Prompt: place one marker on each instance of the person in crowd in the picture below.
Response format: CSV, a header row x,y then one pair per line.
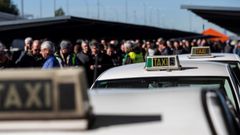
x,y
77,47
104,43
5,61
35,53
162,48
99,61
24,60
150,49
203,42
236,49
84,55
177,49
84,58
47,52
217,47
186,47
112,53
65,57
228,48
28,42
102,49
133,53
193,43
127,47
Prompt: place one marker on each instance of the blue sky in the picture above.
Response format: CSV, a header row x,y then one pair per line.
x,y
158,13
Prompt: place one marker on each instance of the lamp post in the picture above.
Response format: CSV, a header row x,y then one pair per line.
x,y
54,7
144,13
150,16
126,11
22,8
98,9
40,4
87,8
67,6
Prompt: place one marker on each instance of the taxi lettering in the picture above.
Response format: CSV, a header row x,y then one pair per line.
x,y
201,51
25,96
160,62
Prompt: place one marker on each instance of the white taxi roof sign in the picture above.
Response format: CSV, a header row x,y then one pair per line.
x,y
200,51
162,62
35,94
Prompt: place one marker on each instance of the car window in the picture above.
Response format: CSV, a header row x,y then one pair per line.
x,y
235,68
229,92
208,82
205,82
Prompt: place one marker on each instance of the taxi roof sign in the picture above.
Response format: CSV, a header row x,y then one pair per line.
x,y
162,62
200,51
35,94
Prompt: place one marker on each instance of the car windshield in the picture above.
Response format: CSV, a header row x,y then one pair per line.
x,y
156,82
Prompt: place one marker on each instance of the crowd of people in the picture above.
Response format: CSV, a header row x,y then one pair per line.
x,y
98,56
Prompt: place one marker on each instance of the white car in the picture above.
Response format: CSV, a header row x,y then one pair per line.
x,y
193,74
45,102
170,111
232,59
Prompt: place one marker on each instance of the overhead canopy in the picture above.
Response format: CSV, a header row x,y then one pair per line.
x,y
218,35
68,27
8,17
226,17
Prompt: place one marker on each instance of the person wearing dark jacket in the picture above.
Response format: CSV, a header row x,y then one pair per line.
x,y
84,58
25,60
5,61
35,53
99,62
65,57
162,48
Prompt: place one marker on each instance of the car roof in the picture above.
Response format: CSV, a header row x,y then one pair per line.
x,y
123,98
189,69
178,114
216,57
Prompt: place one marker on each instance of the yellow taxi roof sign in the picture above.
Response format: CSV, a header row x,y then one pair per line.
x,y
35,94
162,62
200,51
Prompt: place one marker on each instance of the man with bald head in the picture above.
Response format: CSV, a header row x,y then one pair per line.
x,y
35,53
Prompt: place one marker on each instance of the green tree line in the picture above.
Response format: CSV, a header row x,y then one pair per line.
x,y
8,7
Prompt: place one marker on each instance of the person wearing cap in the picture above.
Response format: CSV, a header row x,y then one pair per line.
x,y
47,52
65,56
